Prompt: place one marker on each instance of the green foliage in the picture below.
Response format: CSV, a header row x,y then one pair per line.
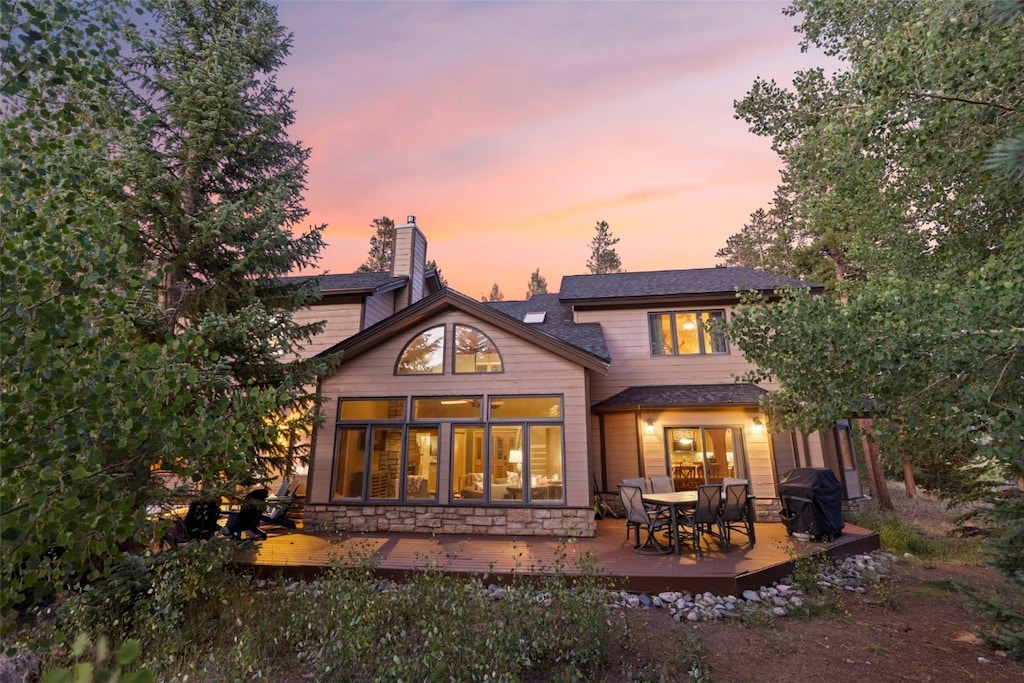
x,y
107,371
421,630
603,257
102,667
887,175
166,602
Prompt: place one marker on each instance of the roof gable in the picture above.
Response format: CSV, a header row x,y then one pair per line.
x,y
448,299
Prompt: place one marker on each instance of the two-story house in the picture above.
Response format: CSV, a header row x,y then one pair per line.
x,y
450,415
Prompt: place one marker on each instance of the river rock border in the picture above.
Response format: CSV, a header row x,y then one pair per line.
x,y
852,574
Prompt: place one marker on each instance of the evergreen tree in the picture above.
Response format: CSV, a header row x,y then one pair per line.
x,y
215,201
495,294
538,284
603,257
432,265
382,247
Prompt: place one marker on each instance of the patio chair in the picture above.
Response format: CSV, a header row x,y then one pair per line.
x,y
662,485
705,520
735,514
248,516
639,515
200,523
640,482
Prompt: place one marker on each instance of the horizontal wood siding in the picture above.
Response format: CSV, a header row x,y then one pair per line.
x,y
528,369
342,321
629,344
621,429
620,447
378,307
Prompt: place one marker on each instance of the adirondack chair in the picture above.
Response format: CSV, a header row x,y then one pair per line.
x,y
248,516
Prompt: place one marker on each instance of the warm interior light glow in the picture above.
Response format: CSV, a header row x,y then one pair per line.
x,y
758,427
515,456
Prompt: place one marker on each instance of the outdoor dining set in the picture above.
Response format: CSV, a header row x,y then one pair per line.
x,y
705,514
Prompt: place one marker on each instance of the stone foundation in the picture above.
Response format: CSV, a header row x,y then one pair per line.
x,y
462,519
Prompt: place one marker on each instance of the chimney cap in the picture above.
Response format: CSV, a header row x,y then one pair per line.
x,y
410,220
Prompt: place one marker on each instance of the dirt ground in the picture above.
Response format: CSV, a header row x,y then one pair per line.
x,y
913,626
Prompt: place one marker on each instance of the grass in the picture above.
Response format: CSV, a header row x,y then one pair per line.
x,y
920,526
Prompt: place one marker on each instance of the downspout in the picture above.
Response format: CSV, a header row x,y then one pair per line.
x,y
604,453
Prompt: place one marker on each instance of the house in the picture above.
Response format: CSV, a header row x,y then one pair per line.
x,y
449,415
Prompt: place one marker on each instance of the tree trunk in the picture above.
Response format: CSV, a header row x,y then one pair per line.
x,y
873,465
908,478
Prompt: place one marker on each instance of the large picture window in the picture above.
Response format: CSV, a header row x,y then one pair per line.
x,y
683,333
518,456
511,453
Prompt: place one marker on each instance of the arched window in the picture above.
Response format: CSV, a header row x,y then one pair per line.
x,y
474,351
424,355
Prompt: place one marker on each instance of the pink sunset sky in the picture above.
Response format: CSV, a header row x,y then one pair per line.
x,y
509,129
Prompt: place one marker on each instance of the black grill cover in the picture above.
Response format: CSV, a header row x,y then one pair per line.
x,y
812,502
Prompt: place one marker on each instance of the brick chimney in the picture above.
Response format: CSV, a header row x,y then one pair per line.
x,y
410,260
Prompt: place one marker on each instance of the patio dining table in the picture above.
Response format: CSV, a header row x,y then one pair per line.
x,y
675,501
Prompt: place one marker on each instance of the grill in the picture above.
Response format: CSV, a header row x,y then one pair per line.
x,y
812,503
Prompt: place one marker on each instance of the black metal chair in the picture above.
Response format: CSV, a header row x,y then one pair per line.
x,y
735,513
639,515
705,520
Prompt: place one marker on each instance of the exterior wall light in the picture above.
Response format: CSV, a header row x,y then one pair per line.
x,y
649,427
758,427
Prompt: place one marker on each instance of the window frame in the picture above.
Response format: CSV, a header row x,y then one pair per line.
x,y
455,352
442,354
656,343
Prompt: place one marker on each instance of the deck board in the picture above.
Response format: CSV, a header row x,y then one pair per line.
x,y
304,554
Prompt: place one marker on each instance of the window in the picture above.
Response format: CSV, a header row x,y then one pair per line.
x,y
518,456
681,333
511,453
474,351
424,355
704,455
379,457
451,408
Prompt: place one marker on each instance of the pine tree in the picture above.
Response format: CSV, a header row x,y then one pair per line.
x,y
538,284
603,257
382,247
495,294
214,198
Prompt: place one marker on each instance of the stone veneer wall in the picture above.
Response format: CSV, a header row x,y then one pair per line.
x,y
463,519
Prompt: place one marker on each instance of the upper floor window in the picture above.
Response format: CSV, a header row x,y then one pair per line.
x,y
474,351
679,333
424,355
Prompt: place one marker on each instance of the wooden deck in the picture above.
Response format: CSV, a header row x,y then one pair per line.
x,y
296,553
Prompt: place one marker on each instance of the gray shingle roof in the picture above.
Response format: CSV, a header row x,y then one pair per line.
x,y
683,395
351,282
673,283
557,323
